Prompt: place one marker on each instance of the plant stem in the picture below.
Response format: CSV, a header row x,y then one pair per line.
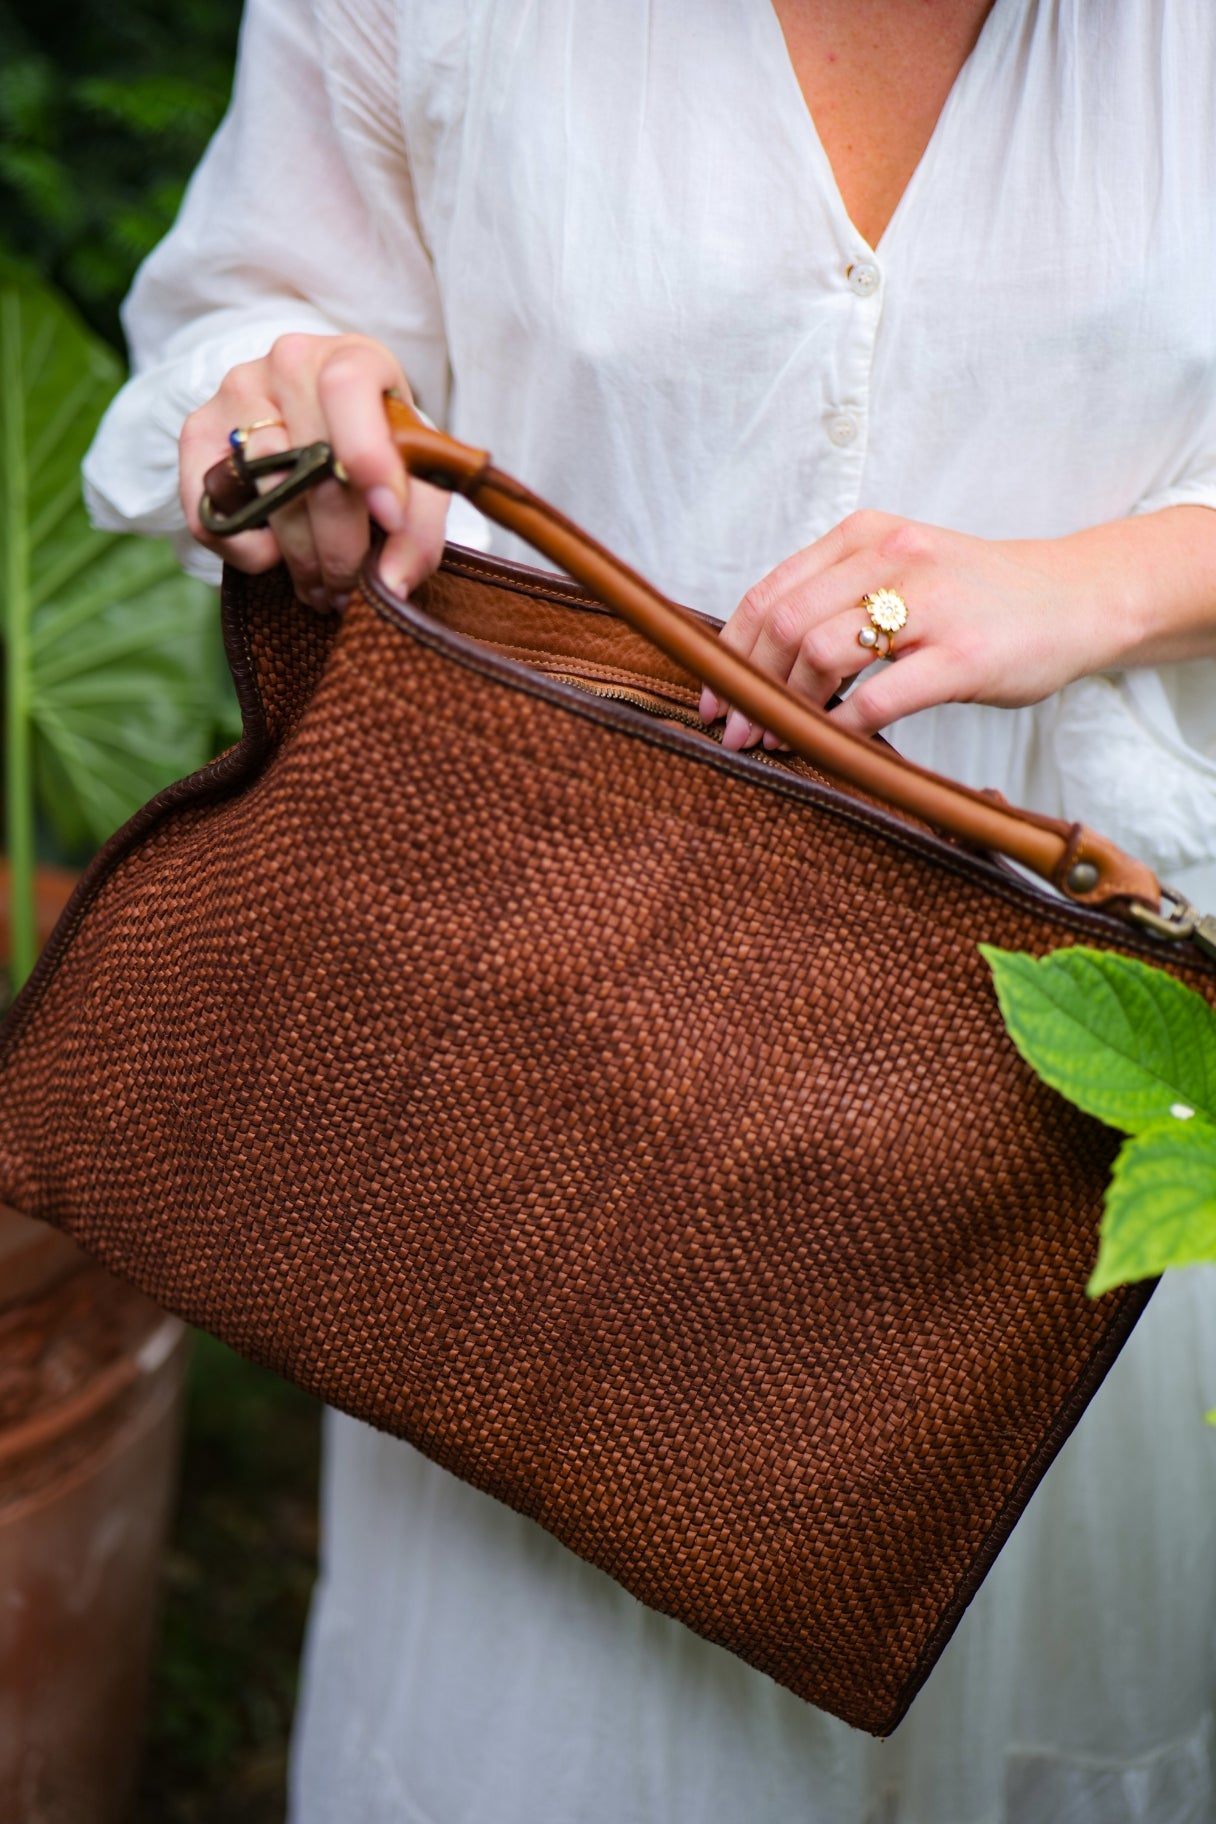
x,y
14,509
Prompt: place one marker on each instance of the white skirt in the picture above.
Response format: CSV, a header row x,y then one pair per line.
x,y
462,1667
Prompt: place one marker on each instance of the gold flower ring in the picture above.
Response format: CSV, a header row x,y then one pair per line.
x,y
888,612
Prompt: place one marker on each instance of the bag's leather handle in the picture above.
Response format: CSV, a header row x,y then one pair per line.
x,y
1082,865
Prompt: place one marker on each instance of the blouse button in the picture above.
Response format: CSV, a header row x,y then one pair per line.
x,y
842,429
863,278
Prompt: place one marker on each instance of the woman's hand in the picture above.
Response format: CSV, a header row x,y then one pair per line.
x,y
327,388
988,622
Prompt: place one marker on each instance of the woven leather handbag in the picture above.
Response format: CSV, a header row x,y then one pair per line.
x,y
627,1123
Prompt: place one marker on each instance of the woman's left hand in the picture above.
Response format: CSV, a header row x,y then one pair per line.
x,y
988,622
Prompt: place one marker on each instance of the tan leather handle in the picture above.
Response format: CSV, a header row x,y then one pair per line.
x,y
1082,865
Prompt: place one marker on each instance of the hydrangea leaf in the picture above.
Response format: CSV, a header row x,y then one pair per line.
x,y
1121,1040
1161,1205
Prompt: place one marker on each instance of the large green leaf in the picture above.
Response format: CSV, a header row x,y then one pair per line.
x,y
1123,1041
123,699
1161,1204
112,685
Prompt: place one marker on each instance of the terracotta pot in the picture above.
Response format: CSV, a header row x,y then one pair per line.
x,y
52,890
90,1386
90,1416
31,1256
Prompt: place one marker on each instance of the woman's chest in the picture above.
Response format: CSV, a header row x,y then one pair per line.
x,y
876,76
643,185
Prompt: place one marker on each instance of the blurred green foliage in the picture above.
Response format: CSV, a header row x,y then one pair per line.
x,y
113,677
104,112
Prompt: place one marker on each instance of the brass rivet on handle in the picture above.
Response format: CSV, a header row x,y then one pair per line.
x,y
1084,877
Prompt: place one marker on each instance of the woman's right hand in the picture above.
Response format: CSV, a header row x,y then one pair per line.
x,y
331,389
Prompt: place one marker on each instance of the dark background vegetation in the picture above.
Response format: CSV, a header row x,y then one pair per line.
x,y
238,1576
104,112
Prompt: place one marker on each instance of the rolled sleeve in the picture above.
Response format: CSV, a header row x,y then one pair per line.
x,y
300,217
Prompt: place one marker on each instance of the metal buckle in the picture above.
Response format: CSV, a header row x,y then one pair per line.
x,y
1174,925
1179,923
306,467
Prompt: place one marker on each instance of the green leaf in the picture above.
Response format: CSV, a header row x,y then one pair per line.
x,y
1121,1040
112,688
1161,1205
27,98
153,104
43,182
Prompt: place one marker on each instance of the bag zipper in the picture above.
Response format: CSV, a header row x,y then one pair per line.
x,y
652,705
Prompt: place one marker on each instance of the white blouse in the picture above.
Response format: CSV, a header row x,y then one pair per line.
x,y
606,242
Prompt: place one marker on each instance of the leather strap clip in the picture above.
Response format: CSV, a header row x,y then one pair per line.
x,y
231,502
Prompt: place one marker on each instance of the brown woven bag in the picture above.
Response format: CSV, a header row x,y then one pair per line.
x,y
628,1124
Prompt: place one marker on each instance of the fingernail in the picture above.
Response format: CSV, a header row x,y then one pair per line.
x,y
771,742
386,509
319,600
738,731
340,602
711,709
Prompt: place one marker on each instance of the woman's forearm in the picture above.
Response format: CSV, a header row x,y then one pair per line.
x,y
1152,580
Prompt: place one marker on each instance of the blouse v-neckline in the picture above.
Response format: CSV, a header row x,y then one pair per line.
x,y
793,97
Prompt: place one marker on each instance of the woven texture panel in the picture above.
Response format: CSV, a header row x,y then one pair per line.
x,y
628,1125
